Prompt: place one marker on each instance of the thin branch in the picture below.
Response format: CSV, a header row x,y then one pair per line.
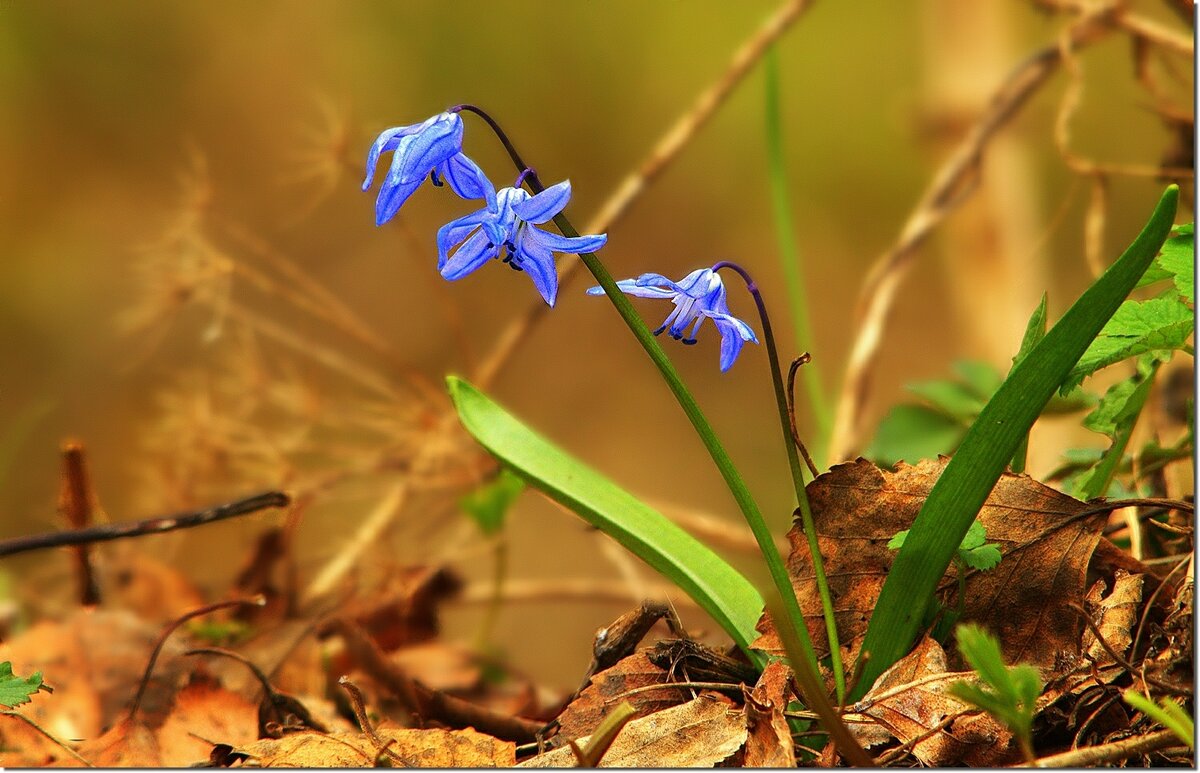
x,y
1110,752
43,731
669,146
159,525
951,186
75,501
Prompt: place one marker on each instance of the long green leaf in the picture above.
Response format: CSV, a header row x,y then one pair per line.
x,y
964,486
716,586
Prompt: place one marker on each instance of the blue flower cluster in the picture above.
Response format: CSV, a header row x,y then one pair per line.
x,y
506,228
507,223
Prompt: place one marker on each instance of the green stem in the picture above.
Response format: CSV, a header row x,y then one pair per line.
x,y
780,595
789,252
804,508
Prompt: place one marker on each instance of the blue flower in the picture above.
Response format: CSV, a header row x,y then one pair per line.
x,y
698,296
510,226
430,149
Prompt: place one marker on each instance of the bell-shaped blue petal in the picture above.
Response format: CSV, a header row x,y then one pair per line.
x,y
572,244
535,259
545,205
698,296
435,141
473,253
391,197
455,231
418,151
467,179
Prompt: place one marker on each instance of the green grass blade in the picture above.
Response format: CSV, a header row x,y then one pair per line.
x,y
789,254
716,586
991,442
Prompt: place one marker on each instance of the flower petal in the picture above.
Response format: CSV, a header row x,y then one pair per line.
x,y
538,262
545,205
386,141
571,244
392,196
699,283
473,253
734,333
631,287
467,179
438,139
455,231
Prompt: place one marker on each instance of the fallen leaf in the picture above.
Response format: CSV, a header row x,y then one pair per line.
x,y
419,748
95,660
698,734
608,688
769,744
1043,535
205,714
128,744
439,666
910,700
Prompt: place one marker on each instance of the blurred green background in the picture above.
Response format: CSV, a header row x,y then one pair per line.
x,y
108,108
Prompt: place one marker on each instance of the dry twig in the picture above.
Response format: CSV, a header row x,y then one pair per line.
x,y
951,185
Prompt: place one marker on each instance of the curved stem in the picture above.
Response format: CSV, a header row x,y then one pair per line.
x,y
805,510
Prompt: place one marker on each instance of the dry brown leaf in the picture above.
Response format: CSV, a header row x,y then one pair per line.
x,y
94,660
769,744
205,714
608,688
419,748
698,734
1045,541
910,701
439,666
128,744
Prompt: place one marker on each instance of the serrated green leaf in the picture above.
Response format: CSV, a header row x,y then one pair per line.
x,y
912,433
489,504
983,558
1136,328
1116,417
897,540
715,585
1178,259
976,536
15,690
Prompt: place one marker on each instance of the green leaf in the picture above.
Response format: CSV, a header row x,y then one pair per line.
x,y
1167,713
1136,328
1116,416
1035,331
488,504
1007,693
897,540
983,558
1178,259
989,445
15,690
976,535
952,398
981,377
912,433
716,586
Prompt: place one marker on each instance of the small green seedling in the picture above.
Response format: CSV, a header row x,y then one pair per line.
x,y
15,690
974,552
488,505
1167,713
1007,693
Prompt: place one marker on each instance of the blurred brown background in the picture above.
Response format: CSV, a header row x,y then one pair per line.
x,y
116,116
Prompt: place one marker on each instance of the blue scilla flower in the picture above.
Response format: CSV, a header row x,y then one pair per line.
x,y
511,227
698,296
431,149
